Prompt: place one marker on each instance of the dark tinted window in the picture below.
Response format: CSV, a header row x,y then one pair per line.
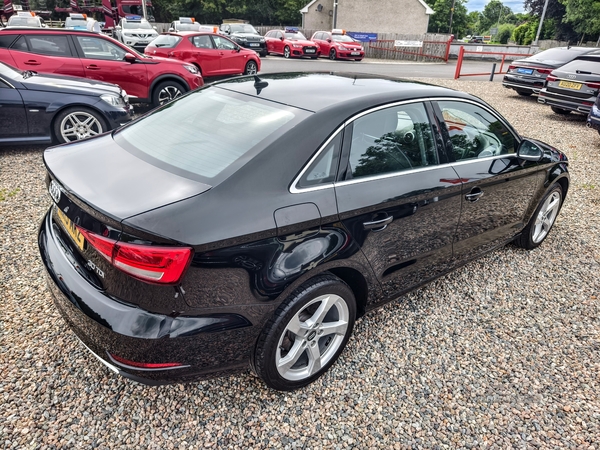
x,y
582,65
223,44
166,41
474,132
324,168
7,39
555,56
391,140
20,44
55,45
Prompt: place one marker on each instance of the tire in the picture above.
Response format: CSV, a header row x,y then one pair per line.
x,y
542,220
312,309
286,52
251,68
562,112
263,54
524,93
166,92
313,57
76,123
332,54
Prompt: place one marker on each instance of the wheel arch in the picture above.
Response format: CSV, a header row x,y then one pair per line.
x,y
167,77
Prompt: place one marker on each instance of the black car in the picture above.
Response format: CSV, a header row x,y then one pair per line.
x,y
574,87
254,220
41,108
245,35
593,118
527,76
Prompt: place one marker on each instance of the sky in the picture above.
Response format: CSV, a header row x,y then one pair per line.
x,y
478,5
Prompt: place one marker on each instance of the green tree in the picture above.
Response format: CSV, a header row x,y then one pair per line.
x,y
505,32
584,15
493,14
555,12
440,21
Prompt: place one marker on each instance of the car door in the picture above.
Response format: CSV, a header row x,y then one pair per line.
x,y
104,61
270,41
49,53
206,55
324,44
497,187
395,198
13,118
230,58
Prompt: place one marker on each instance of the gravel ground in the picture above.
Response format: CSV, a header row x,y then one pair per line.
x,y
503,353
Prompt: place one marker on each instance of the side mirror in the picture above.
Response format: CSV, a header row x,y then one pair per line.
x,y
130,58
529,151
170,29
281,38
329,40
155,28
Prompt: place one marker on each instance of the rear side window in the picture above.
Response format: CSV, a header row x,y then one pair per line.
x,y
324,168
207,132
7,39
55,45
202,41
166,41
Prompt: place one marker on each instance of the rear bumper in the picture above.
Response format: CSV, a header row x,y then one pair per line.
x,y
206,345
531,85
565,102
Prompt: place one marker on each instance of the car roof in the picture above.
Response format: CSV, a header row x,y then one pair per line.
x,y
190,33
317,91
49,30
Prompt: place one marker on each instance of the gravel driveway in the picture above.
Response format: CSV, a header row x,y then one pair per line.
x,y
503,353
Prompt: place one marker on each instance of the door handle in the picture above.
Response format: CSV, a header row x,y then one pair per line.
x,y
32,62
474,195
378,225
93,67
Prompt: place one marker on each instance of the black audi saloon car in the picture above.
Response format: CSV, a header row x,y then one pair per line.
x,y
527,76
42,108
251,222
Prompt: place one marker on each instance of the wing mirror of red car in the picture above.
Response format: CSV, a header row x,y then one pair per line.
x,y
130,58
281,38
238,49
329,40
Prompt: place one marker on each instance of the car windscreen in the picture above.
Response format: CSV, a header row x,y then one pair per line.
x,y
16,21
10,72
188,27
295,36
554,56
342,38
208,134
243,28
70,22
166,41
136,25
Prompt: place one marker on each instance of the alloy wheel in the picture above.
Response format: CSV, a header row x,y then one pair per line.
x,y
312,337
332,54
546,217
251,68
79,125
286,52
168,93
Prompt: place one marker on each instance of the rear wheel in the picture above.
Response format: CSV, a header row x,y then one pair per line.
x,y
332,54
286,52
307,333
251,68
524,93
166,92
544,217
74,124
263,54
562,112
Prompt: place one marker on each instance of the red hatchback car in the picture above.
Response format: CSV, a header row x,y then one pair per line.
x,y
291,43
211,53
338,45
99,57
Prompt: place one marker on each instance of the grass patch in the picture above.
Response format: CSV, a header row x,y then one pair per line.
x,y
6,194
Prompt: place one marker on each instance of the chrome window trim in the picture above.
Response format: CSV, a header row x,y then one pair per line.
x,y
7,82
294,189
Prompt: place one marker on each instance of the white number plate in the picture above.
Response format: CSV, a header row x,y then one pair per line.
x,y
310,50
355,53
254,45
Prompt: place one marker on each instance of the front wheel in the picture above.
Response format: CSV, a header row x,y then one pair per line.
x,y
286,52
332,54
562,112
544,217
307,333
74,124
251,68
166,92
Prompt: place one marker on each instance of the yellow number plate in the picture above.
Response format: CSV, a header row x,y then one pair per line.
x,y
71,229
569,85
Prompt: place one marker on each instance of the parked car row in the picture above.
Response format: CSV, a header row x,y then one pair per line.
x,y
565,78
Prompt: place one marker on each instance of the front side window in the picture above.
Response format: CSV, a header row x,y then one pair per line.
x,y
55,45
202,41
391,140
7,39
223,44
98,48
474,132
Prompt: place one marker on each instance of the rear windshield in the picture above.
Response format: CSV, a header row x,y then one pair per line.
x,y
136,25
555,56
16,21
166,41
243,28
585,67
207,134
342,38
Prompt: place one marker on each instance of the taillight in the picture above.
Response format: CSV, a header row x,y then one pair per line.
x,y
161,265
142,365
551,78
545,71
593,85
512,67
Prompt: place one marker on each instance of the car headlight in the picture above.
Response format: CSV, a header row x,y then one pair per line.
x,y
191,68
297,45
241,39
127,34
595,110
344,49
113,100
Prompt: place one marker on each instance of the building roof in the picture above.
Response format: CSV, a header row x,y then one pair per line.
x,y
305,9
